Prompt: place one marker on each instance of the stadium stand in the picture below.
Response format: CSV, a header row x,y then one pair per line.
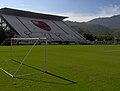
x,y
27,24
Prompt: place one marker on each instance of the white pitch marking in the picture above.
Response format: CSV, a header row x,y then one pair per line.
x,y
6,72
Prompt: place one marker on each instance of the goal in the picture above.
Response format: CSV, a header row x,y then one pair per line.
x,y
33,42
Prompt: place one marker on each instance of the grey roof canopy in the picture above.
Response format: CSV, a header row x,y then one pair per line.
x,y
29,14
36,25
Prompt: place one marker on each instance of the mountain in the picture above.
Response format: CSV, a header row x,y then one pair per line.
x,y
110,22
97,25
106,24
93,28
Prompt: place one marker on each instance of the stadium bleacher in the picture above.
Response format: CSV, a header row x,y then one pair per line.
x,y
29,24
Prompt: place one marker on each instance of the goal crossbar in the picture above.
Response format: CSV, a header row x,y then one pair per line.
x,y
29,38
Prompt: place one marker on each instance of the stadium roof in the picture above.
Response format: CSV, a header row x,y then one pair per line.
x,y
15,12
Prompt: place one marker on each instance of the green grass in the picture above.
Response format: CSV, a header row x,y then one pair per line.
x,y
93,67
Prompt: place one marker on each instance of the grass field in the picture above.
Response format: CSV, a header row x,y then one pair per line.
x,y
92,67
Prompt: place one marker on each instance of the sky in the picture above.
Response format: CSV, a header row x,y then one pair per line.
x,y
76,10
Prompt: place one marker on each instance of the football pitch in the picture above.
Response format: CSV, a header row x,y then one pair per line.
x,y
90,67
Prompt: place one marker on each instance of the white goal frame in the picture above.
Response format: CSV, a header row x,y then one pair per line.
x,y
21,63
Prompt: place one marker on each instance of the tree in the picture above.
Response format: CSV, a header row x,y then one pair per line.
x,y
88,35
117,35
104,36
2,35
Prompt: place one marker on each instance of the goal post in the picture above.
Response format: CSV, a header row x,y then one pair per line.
x,y
26,55
14,72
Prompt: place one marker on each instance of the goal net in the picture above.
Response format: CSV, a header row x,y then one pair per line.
x,y
24,56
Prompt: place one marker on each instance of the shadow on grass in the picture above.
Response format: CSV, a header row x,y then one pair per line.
x,y
71,82
34,80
